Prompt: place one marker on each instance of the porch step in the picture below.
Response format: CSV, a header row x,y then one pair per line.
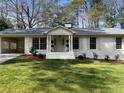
x,y
60,55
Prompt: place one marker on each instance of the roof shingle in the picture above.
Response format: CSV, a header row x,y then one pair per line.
x,y
78,31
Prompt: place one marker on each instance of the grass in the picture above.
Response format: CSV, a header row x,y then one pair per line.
x,y
61,76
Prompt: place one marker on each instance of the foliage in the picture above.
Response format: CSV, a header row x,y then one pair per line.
x,y
107,57
75,4
96,11
5,23
33,51
41,56
110,21
95,55
117,57
73,8
121,18
80,57
54,14
50,13
84,56
70,12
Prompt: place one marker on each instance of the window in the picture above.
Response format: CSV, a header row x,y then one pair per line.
x,y
39,43
75,43
42,43
118,43
93,43
36,43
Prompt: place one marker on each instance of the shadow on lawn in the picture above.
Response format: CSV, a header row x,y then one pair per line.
x,y
59,75
56,76
17,60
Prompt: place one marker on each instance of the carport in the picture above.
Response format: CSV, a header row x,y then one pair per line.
x,y
12,45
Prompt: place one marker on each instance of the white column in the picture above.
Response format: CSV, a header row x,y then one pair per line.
x,y
69,43
28,44
50,44
0,45
47,43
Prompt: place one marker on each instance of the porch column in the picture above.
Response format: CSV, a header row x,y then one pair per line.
x,y
0,45
47,43
71,43
50,44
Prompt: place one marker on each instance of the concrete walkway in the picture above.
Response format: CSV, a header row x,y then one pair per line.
x,y
6,57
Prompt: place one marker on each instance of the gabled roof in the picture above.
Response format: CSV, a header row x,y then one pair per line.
x,y
70,30
77,31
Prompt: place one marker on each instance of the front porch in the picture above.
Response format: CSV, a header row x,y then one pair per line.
x,y
60,44
60,47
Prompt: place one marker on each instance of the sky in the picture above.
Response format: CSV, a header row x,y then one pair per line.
x,y
63,1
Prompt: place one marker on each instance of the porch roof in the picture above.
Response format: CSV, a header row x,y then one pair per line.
x,y
77,31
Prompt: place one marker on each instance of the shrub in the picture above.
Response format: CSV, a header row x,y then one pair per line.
x,y
117,57
80,57
84,56
95,56
41,56
33,51
5,23
107,57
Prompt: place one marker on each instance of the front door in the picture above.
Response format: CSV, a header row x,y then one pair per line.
x,y
60,44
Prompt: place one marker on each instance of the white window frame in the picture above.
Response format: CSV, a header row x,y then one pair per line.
x,y
39,42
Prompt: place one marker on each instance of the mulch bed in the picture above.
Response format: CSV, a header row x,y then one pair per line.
x,y
116,62
31,57
105,61
28,57
112,61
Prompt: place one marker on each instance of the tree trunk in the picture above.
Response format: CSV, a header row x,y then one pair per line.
x,y
122,23
17,14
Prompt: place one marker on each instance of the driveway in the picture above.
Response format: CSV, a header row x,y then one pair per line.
x,y
6,57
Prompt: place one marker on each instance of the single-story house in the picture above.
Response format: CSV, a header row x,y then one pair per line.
x,y
64,43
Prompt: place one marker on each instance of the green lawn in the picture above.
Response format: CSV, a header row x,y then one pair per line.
x,y
61,76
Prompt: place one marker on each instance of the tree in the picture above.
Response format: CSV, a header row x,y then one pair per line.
x,y
30,13
5,23
45,12
25,12
110,21
111,14
13,6
121,15
74,8
52,13
98,10
3,8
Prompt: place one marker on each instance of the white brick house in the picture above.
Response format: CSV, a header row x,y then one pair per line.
x,y
64,43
